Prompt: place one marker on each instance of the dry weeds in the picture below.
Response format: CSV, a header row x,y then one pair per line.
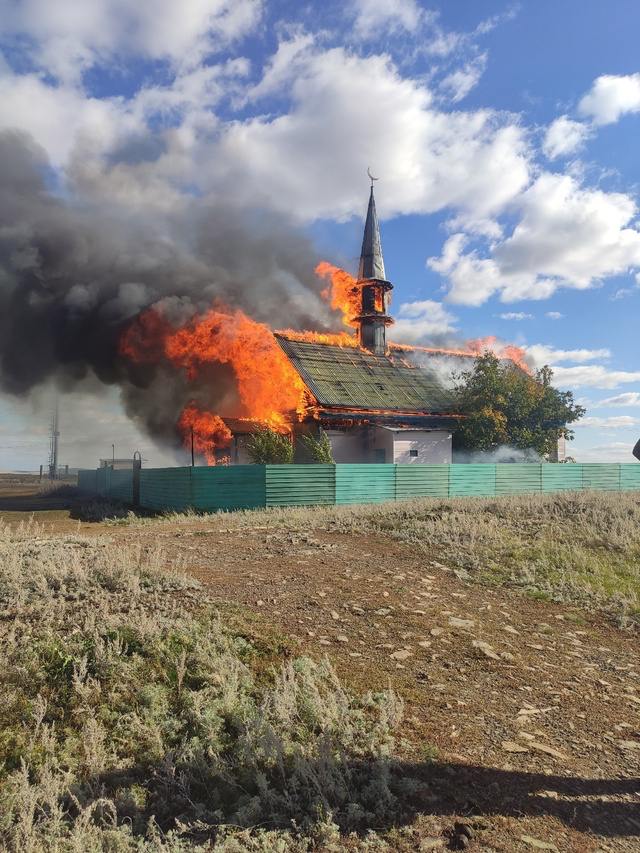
x,y
132,719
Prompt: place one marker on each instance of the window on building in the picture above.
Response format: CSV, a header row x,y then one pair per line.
x,y
379,455
413,453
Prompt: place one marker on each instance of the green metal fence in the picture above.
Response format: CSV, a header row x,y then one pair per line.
x,y
253,486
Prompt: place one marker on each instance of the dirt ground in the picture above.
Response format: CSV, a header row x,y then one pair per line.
x,y
522,715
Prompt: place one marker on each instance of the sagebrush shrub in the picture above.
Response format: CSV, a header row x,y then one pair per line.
x,y
132,719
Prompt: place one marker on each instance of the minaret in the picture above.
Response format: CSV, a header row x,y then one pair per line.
x,y
373,319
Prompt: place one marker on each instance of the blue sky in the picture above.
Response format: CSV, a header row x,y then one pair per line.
x,y
505,137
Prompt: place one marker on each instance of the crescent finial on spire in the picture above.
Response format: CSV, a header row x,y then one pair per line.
x,y
371,177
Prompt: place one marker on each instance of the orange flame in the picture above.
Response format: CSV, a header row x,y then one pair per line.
x,y
474,348
270,391
337,339
209,432
343,292
501,350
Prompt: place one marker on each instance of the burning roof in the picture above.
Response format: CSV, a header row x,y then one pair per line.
x,y
353,378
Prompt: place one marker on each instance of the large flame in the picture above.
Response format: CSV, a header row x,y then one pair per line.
x,y
343,292
269,390
335,339
209,432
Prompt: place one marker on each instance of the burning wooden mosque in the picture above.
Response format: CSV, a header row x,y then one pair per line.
x,y
376,401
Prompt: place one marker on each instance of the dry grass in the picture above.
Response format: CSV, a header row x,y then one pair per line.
x,y
132,719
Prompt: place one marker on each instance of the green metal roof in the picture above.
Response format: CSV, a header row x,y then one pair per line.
x,y
348,377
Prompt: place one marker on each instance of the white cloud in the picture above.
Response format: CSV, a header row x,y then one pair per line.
x,y
63,119
564,136
629,398
68,37
279,72
543,354
615,451
592,376
615,422
515,315
473,161
459,83
610,97
378,17
420,321
58,117
621,293
554,315
567,236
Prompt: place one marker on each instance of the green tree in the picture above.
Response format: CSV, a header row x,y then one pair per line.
x,y
268,447
504,405
319,449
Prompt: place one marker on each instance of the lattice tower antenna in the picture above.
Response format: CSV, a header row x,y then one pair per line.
x,y
54,435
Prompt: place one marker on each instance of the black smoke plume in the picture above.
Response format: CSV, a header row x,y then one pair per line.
x,y
73,275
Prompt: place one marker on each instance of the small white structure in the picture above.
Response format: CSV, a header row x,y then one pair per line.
x,y
421,446
390,444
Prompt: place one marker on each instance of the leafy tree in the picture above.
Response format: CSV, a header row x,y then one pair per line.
x,y
319,449
268,447
505,405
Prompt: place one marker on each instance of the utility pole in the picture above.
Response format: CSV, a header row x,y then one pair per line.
x,y
113,455
54,435
192,454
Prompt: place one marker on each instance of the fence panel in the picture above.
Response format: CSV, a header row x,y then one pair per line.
x,y
88,481
630,475
121,486
103,481
365,484
225,488
300,485
413,481
601,476
561,478
252,486
166,488
472,480
518,478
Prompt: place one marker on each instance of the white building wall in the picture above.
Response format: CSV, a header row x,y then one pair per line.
x,y
347,446
429,446
383,444
382,449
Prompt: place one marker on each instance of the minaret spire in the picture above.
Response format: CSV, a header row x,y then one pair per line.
x,y
373,319
371,260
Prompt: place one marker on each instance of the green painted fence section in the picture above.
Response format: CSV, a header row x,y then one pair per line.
x,y
226,488
561,478
121,486
519,477
629,476
425,481
365,484
290,485
253,486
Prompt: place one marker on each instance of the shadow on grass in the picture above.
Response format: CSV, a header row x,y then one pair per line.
x,y
379,795
39,498
81,506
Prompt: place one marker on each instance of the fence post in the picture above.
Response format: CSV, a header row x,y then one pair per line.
x,y
135,484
